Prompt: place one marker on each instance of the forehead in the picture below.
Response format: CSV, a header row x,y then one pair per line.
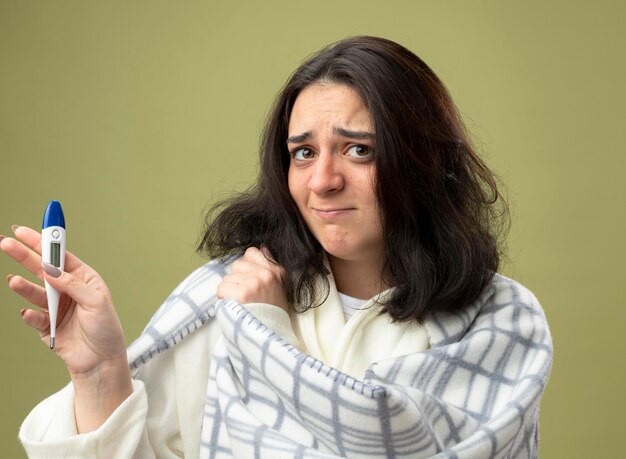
x,y
329,105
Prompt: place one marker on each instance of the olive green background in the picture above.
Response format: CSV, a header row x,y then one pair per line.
x,y
137,114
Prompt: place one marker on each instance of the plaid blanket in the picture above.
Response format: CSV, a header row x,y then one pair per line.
x,y
473,394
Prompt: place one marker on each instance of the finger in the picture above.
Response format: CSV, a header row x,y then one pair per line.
x,y
228,288
39,320
23,255
273,264
28,236
252,259
241,290
269,257
83,294
254,255
32,239
32,293
237,279
243,266
260,257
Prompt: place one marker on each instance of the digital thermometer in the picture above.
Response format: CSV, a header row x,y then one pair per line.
x,y
53,252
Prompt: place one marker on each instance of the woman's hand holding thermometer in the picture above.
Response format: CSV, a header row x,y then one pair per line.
x,y
88,333
53,243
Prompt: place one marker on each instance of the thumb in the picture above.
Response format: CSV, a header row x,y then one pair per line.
x,y
70,285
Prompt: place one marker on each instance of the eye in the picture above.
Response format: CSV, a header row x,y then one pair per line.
x,y
360,151
302,154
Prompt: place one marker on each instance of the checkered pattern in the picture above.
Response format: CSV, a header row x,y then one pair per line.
x,y
474,394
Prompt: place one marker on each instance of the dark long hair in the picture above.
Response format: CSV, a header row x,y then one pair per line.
x,y
441,211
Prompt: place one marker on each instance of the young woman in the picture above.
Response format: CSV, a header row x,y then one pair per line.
x,y
351,308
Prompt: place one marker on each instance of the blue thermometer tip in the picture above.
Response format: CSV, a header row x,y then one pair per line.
x,y
53,216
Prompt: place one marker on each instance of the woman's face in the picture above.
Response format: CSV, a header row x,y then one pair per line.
x,y
332,171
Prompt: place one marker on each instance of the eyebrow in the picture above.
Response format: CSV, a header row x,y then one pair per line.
x,y
353,134
358,135
300,137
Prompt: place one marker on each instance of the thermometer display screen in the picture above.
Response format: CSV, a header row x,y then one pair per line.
x,y
55,254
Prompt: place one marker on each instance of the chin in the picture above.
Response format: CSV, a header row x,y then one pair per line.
x,y
343,253
340,244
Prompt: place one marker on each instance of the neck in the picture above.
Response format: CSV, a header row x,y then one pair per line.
x,y
359,279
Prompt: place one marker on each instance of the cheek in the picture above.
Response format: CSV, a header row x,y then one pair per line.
x,y
296,186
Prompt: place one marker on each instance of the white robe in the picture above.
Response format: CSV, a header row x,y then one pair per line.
x,y
463,385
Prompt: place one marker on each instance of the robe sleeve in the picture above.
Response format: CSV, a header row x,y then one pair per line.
x,y
50,428
161,418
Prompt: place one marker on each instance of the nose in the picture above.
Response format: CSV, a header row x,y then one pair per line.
x,y
326,175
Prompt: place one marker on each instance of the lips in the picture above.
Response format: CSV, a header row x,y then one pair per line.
x,y
332,213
